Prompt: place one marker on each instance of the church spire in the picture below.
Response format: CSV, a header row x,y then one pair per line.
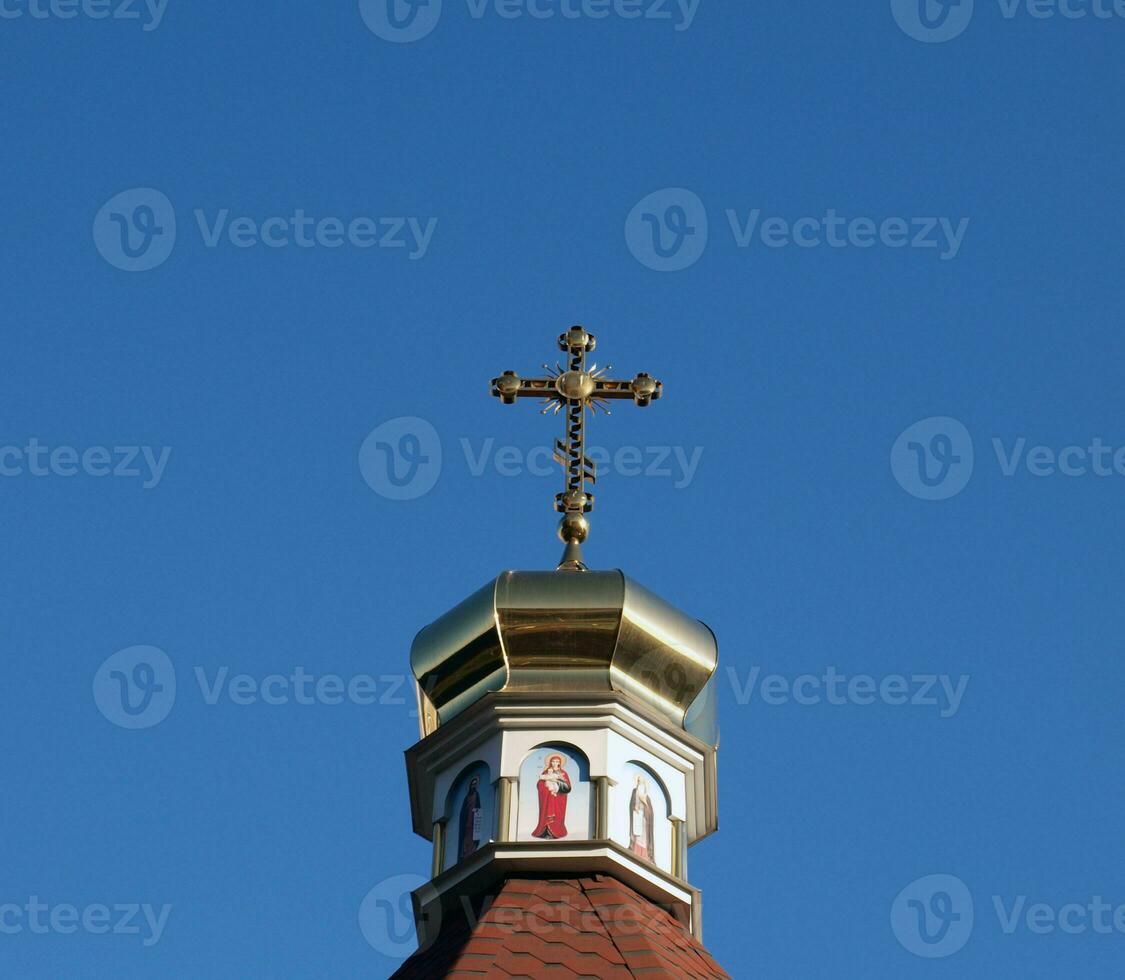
x,y
568,751
578,391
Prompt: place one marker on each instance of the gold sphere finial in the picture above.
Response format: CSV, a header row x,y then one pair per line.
x,y
645,389
574,527
577,339
508,386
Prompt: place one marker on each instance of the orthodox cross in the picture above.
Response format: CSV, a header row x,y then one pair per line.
x,y
577,390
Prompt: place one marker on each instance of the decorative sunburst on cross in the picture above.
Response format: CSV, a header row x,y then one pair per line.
x,y
578,391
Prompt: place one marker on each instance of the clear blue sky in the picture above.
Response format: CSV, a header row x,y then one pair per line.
x,y
259,546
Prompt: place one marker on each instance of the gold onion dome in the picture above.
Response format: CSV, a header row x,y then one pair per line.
x,y
590,632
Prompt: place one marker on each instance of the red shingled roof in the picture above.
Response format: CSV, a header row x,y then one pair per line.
x,y
592,928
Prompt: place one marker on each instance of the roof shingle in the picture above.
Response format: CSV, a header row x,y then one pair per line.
x,y
564,929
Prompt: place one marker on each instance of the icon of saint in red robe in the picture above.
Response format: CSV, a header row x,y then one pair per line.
x,y
640,821
554,785
470,825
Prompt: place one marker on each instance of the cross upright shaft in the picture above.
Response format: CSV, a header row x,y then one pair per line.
x,y
576,390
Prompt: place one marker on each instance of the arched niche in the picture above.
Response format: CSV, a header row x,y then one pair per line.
x,y
555,798
469,809
640,815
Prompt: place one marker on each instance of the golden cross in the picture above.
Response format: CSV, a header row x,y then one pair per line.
x,y
577,390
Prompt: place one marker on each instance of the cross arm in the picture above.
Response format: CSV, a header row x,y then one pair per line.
x,y
643,389
510,386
